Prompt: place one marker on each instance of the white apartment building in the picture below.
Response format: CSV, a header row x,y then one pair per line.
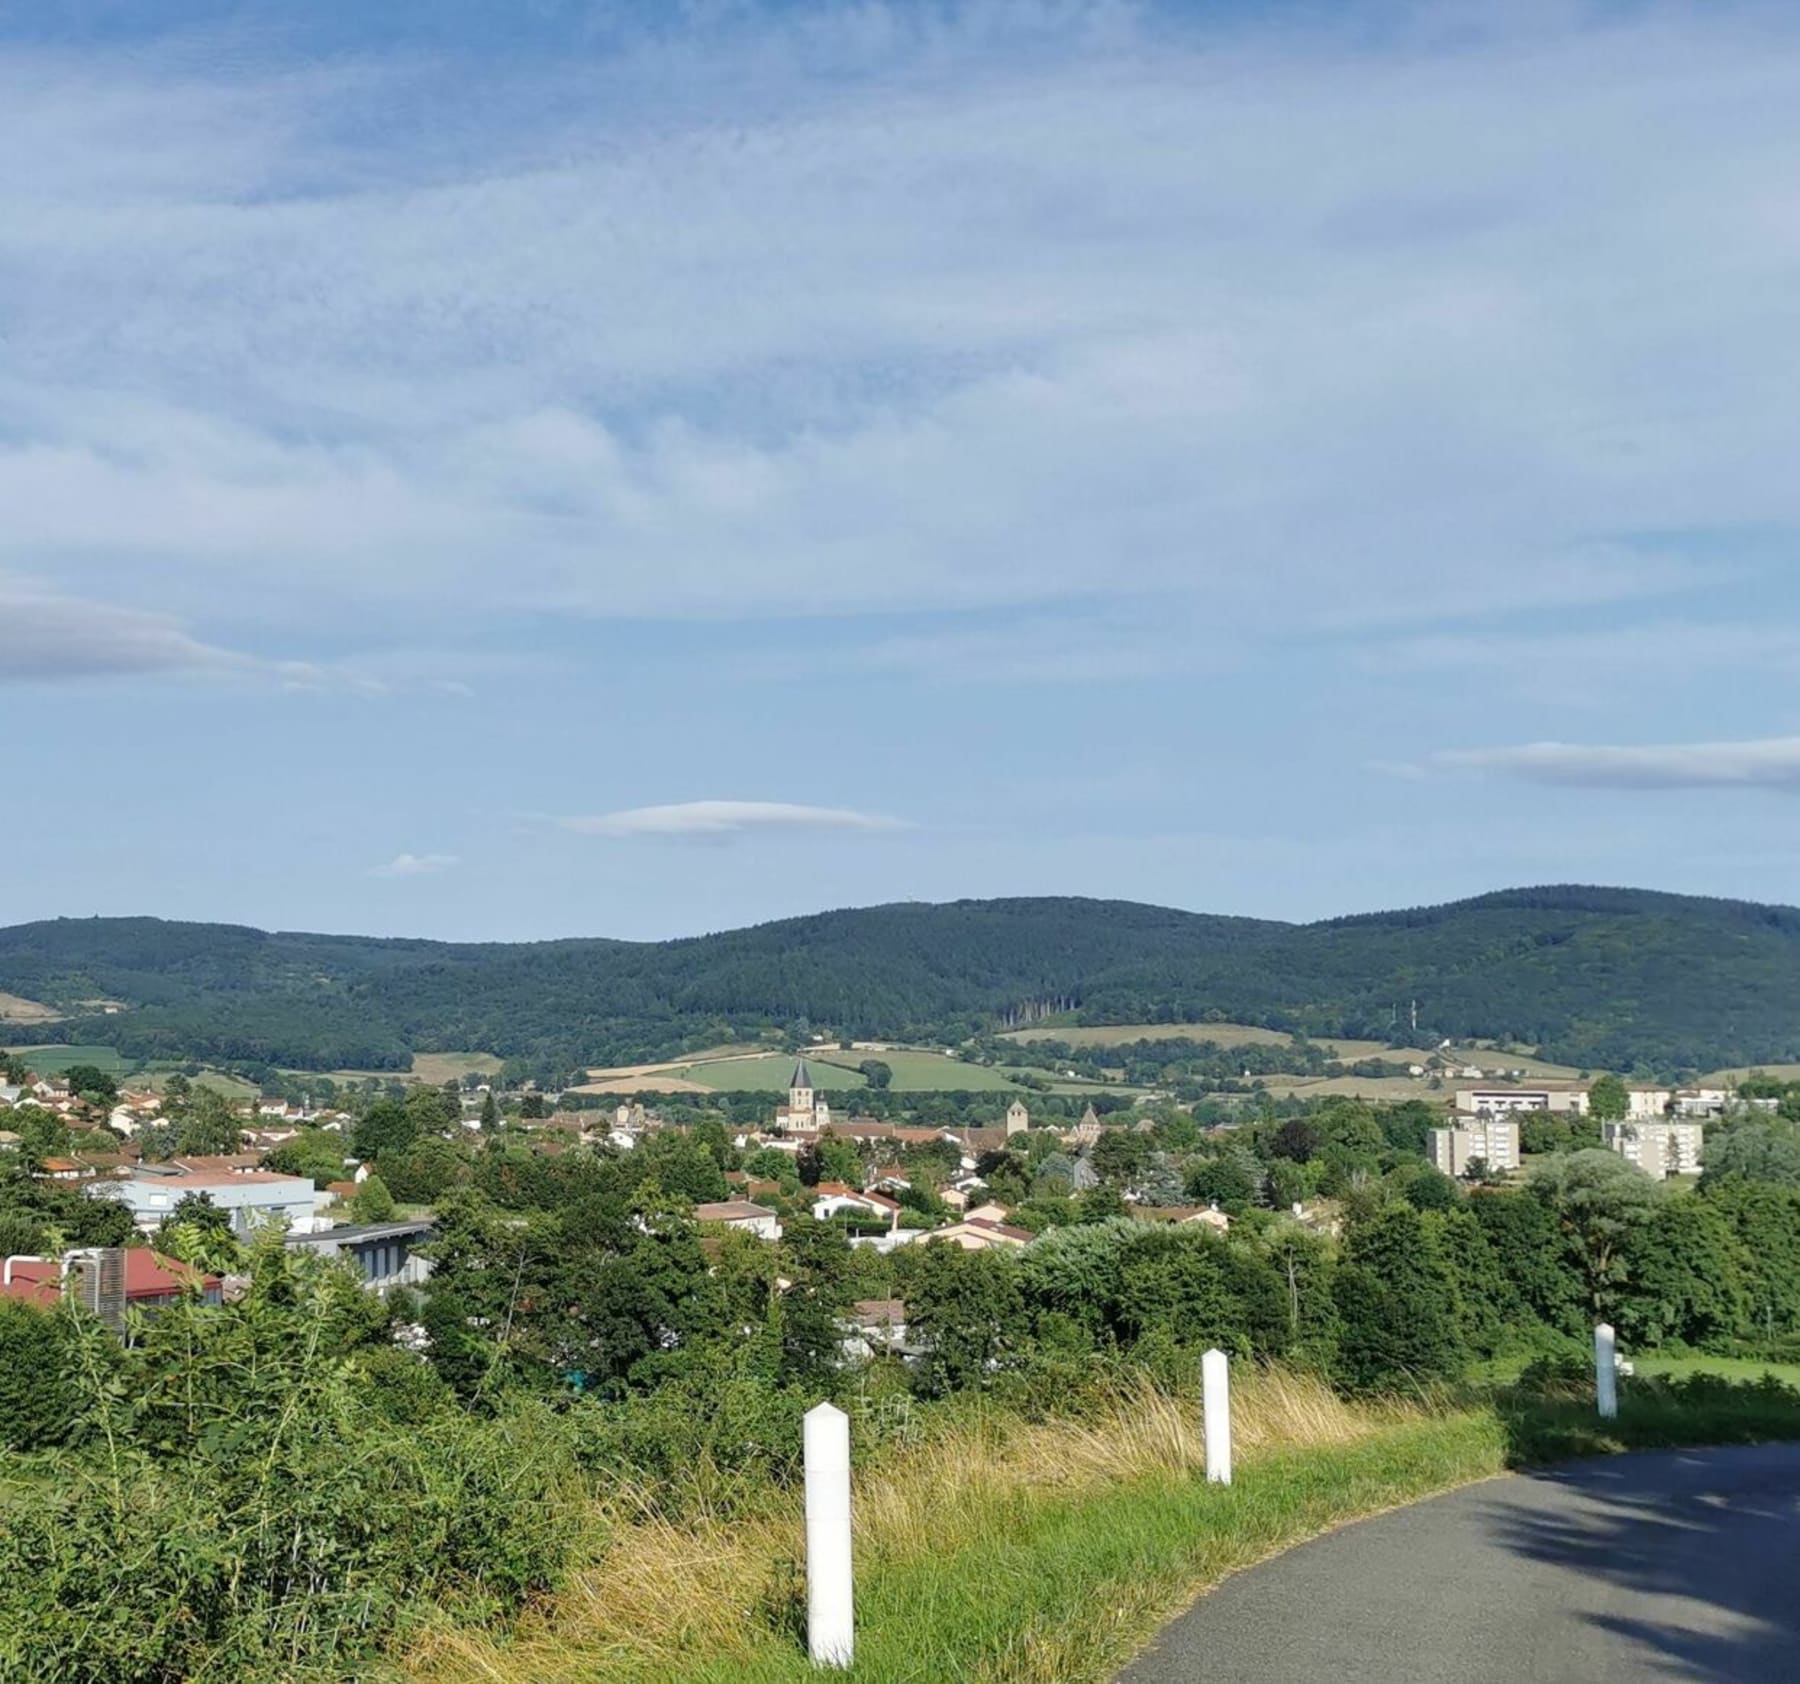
x,y
1495,1140
1501,1102
1659,1149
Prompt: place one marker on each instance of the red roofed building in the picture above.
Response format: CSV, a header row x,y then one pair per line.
x,y
151,1280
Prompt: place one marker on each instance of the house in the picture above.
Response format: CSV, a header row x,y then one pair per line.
x,y
981,1236
150,1280
63,1169
1494,1140
742,1215
954,1197
1701,1102
1203,1216
989,1212
977,1143
1659,1149
250,1197
1648,1104
806,1111
383,1254
833,1198
877,1327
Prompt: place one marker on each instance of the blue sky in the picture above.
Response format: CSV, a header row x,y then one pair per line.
x,y
517,470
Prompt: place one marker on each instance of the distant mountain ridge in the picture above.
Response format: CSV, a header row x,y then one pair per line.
x,y
1594,976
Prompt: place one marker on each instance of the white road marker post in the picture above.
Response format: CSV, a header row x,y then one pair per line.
x,y
830,1598
1215,1414
1606,1371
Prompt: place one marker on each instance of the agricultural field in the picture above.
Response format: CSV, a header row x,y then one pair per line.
x,y
1731,1078
1123,1034
1385,1088
916,1070
53,1060
15,1008
233,1087
440,1067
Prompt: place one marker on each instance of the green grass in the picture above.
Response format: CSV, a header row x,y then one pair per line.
x,y
53,1060
1041,1588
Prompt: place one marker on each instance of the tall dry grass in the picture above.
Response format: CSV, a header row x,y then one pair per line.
x,y
661,1594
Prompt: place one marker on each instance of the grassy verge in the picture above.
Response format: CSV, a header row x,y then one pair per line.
x,y
1048,1553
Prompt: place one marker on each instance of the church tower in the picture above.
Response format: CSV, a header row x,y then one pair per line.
x,y
1018,1119
800,1091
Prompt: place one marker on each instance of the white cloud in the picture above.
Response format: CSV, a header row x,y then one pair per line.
x,y
1768,763
46,638
965,327
716,819
416,865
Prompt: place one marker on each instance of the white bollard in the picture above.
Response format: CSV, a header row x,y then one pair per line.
x,y
830,1599
1606,1372
1215,1415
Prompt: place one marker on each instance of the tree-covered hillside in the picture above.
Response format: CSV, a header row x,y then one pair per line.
x,y
1611,977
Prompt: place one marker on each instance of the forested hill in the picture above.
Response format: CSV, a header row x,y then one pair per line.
x,y
1598,977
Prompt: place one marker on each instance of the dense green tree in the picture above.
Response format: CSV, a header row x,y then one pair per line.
x,y
372,1202
200,1233
966,1309
92,1084
315,1153
877,1073
387,1127
1765,1149
1397,1305
1688,1277
1609,1101
210,1124
1597,1199
1536,1255
40,1403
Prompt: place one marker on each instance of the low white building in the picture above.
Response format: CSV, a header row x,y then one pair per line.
x,y
152,1191
1504,1101
1659,1149
1494,1140
1648,1104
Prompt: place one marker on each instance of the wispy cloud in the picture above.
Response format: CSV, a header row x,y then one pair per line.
x,y
47,638
717,819
848,359
1766,763
416,865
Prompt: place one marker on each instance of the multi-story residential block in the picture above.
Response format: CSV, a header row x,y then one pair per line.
x,y
1659,1149
1494,1140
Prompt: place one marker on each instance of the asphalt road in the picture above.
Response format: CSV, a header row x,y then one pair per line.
x,y
1672,1565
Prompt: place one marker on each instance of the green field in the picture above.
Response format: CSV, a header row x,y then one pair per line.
x,y
1123,1034
233,1087
1727,1368
915,1071
53,1060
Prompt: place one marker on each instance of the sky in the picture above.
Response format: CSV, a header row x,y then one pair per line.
x,y
546,468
